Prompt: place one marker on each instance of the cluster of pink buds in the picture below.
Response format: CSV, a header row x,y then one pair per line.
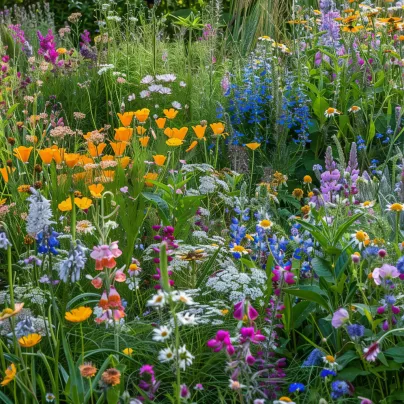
x,y
284,273
221,341
166,235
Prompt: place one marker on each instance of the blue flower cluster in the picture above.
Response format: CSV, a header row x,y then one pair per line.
x,y
338,389
48,241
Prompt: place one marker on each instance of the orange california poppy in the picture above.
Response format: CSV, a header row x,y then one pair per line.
x,y
66,205
123,134
96,190
159,159
170,113
174,142
23,153
4,172
161,122
144,140
253,146
126,118
150,176
192,145
46,155
217,128
71,159
124,161
118,147
352,28
140,130
176,133
95,151
83,160
142,114
199,131
58,154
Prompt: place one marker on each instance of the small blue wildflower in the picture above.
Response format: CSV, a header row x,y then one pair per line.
x,y
314,358
339,388
327,372
4,243
356,330
296,387
390,299
400,265
370,252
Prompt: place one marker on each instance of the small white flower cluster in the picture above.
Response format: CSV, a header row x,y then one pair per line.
x,y
209,184
238,285
105,68
193,168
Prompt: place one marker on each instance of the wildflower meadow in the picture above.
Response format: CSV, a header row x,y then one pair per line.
x,y
202,202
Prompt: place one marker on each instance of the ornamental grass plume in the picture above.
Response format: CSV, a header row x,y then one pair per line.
x,y
39,213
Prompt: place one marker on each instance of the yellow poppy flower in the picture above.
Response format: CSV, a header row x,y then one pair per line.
x,y
71,159
83,203
217,128
150,176
66,205
9,312
128,351
46,155
174,142
124,161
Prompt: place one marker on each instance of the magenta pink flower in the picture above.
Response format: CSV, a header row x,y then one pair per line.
x,y
249,334
105,255
284,273
221,341
242,308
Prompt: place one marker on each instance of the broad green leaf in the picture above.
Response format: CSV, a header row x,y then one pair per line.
x,y
323,268
397,353
309,295
160,204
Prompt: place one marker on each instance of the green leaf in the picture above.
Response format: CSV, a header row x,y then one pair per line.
x,y
309,295
320,105
372,132
323,269
397,353
344,227
347,357
379,79
351,373
160,204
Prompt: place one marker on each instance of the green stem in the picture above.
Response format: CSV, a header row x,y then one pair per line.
x,y
10,277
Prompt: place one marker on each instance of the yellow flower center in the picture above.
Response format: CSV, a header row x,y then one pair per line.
x,y
330,359
238,248
366,203
265,223
361,236
159,299
285,399
6,311
396,207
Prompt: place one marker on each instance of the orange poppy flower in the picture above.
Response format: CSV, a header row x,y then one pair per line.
x,y
389,20
142,114
352,28
23,153
71,159
174,142
46,155
144,140
199,131
107,157
217,128
170,113
96,190
123,134
192,145
126,118
95,151
58,154
176,133
124,161
140,130
161,122
150,176
118,147
168,132
108,175
4,172
159,159
83,160
253,146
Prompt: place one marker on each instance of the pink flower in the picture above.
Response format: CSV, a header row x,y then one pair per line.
x,y
97,283
105,255
221,341
120,276
287,275
385,272
249,334
240,311
370,353
339,318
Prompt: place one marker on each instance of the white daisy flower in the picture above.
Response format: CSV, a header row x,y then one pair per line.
x,y
158,300
182,297
166,355
147,79
185,358
331,112
360,238
235,385
395,207
161,334
367,204
354,109
187,319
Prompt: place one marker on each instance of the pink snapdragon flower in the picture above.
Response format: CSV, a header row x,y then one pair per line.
x,y
242,308
105,255
221,341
